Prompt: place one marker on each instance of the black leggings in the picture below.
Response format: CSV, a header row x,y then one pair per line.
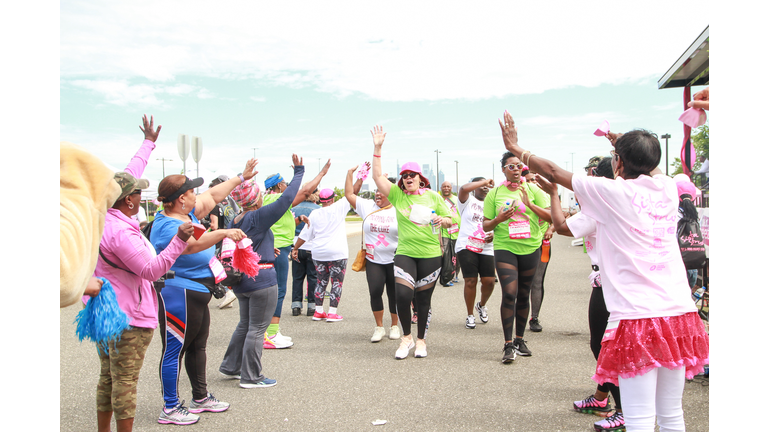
x,y
598,321
379,276
537,287
515,277
415,280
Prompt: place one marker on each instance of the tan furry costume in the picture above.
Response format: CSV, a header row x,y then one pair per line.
x,y
87,190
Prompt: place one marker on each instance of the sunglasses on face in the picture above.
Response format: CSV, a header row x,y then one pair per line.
x,y
518,165
409,175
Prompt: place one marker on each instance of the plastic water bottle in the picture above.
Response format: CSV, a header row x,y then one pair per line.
x,y
434,225
507,206
545,251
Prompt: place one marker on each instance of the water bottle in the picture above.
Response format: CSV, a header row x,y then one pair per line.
x,y
434,225
545,251
507,206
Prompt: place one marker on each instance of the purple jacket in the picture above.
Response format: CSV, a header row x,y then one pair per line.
x,y
125,246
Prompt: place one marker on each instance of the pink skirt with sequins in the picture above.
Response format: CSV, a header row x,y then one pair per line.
x,y
644,344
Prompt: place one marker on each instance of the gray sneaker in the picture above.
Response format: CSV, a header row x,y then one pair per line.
x,y
178,415
509,353
210,404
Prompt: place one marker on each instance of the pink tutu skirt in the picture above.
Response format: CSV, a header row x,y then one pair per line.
x,y
644,344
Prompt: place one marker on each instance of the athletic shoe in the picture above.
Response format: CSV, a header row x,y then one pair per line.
x,y
612,423
521,348
282,336
266,382
275,342
310,312
319,316
209,404
414,318
482,312
470,323
229,297
296,311
378,334
421,349
178,415
534,325
228,376
394,332
590,405
449,284
405,347
333,317
509,353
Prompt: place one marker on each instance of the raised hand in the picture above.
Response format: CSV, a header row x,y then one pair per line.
x,y
612,137
700,100
326,167
508,131
297,161
546,185
149,132
378,135
250,170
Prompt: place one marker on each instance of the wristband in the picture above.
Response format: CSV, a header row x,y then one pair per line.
x,y
376,156
242,179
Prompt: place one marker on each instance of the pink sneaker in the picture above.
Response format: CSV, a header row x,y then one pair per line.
x,y
333,317
319,315
268,343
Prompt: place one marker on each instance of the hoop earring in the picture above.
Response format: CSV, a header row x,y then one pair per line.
x,y
183,206
422,184
130,205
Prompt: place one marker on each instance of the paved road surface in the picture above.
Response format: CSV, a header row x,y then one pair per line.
x,y
335,379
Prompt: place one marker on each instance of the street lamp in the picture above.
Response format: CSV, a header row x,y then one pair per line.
x,y
666,137
164,159
437,171
254,151
571,161
457,176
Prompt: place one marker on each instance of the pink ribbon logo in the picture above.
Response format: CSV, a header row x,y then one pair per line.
x,y
382,240
479,233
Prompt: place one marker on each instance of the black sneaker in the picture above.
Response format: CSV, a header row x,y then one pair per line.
x,y
296,311
521,348
534,325
509,353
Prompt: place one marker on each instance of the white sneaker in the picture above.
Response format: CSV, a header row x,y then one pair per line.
x,y
229,297
378,334
394,332
405,347
482,312
421,348
276,343
470,323
282,336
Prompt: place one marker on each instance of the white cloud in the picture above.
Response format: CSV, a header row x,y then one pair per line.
x,y
403,51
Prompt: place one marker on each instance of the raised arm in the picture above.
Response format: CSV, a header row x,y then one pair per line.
x,y
465,189
349,191
208,199
308,188
382,183
139,161
556,211
545,167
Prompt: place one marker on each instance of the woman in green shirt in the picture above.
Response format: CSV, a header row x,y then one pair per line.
x,y
512,211
420,213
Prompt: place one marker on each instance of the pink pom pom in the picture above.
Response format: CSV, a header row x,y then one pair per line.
x,y
245,259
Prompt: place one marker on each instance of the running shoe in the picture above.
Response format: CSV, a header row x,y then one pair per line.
x,y
378,334
276,343
509,353
266,382
209,404
178,415
333,317
405,347
319,316
282,336
482,312
394,332
612,423
421,349
310,312
521,348
534,325
470,323
590,405
229,297
228,376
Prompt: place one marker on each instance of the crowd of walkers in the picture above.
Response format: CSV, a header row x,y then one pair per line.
x,y
644,329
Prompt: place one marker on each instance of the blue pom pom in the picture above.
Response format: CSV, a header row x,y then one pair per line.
x,y
102,320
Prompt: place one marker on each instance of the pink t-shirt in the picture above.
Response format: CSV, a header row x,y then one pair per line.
x,y
641,268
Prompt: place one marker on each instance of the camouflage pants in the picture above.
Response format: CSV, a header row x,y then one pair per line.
x,y
116,390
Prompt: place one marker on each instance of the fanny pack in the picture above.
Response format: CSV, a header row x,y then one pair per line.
x,y
217,290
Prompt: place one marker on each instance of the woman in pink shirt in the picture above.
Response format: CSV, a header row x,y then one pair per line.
x,y
654,338
129,262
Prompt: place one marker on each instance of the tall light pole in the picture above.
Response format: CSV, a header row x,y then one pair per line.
x,y
437,171
164,159
254,151
571,162
666,137
457,176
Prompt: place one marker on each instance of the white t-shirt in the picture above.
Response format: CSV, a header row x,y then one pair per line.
x,y
642,271
471,234
379,231
327,231
584,226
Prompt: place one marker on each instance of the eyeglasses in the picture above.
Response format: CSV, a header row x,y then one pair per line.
x,y
409,175
518,165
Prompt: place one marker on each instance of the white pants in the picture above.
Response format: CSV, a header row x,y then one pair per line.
x,y
657,394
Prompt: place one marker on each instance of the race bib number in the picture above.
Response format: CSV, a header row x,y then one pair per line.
x,y
369,251
475,244
453,229
519,229
218,270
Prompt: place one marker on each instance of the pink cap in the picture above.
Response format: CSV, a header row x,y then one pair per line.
x,y
326,194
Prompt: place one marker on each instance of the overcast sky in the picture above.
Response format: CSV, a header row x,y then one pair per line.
x,y
313,78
